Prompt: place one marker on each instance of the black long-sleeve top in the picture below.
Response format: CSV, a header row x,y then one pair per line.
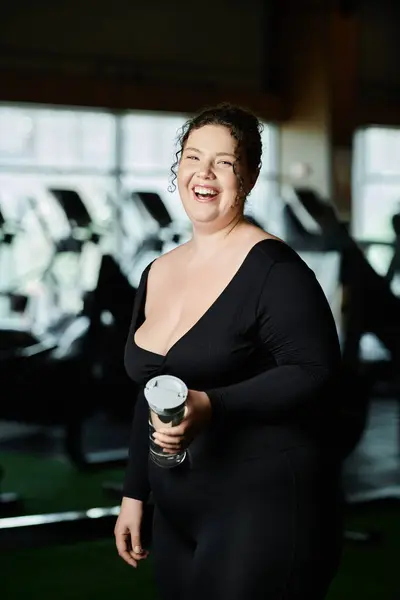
x,y
267,354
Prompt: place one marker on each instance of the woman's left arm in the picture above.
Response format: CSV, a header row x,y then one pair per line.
x,y
296,325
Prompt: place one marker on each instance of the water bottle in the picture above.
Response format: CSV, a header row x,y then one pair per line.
x,y
166,396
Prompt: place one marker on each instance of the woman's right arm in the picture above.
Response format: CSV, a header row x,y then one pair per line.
x,y
136,481
136,484
127,532
135,491
136,487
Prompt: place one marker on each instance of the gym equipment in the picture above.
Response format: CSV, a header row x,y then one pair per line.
x,y
367,305
74,349
88,351
394,266
82,231
9,229
163,232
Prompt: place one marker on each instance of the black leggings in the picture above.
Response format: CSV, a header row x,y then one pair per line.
x,y
272,531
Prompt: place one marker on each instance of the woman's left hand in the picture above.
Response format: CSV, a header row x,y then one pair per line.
x,y
197,414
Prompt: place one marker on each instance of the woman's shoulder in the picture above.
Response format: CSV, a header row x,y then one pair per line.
x,y
263,244
166,264
266,250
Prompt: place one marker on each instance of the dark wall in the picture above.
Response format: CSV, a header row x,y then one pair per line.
x,y
212,42
379,74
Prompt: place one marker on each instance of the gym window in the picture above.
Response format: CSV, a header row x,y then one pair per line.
x,y
376,193
105,157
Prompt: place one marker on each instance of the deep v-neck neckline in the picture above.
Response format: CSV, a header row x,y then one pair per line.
x,y
207,312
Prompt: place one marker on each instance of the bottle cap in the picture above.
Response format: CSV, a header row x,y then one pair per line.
x,y
165,394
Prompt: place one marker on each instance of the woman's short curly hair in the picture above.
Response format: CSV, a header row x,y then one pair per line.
x,y
244,127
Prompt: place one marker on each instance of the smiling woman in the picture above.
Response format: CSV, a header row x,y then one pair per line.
x,y
206,175
243,145
253,510
218,163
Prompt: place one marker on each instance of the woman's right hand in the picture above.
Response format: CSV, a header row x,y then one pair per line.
x,y
127,532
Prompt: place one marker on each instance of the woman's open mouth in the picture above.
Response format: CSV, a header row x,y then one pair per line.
x,y
205,193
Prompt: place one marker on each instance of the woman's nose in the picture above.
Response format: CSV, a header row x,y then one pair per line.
x,y
205,170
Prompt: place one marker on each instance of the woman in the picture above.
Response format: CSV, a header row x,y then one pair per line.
x,y
238,316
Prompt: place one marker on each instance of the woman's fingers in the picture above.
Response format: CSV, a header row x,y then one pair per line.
x,y
174,432
172,445
137,556
129,548
123,544
166,440
173,439
137,552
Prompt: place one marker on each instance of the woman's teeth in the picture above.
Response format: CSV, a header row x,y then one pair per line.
x,y
203,192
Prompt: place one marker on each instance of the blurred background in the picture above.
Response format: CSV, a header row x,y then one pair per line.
x,y
92,96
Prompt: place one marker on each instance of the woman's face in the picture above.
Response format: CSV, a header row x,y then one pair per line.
x,y
207,183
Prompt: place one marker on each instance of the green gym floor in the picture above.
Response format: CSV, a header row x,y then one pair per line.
x,y
93,570
36,469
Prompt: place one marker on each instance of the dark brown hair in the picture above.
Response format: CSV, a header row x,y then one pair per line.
x,y
243,126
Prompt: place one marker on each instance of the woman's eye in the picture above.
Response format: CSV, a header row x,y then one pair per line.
x,y
193,157
226,162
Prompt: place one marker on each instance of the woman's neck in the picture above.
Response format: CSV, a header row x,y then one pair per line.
x,y
207,240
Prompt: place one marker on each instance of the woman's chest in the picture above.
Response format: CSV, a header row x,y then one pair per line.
x,y
205,335
171,315
218,349
174,309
